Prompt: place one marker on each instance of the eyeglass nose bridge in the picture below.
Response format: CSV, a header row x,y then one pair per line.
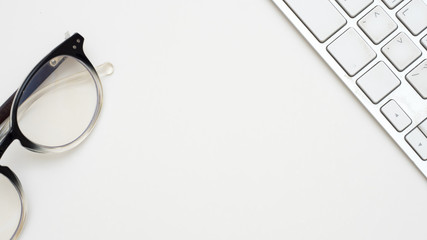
x,y
6,140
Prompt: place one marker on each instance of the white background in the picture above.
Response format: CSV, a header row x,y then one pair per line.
x,y
219,122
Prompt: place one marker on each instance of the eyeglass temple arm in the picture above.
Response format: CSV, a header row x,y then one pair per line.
x,y
103,70
5,108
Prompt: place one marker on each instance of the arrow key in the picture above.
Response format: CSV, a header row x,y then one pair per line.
x,y
396,116
418,142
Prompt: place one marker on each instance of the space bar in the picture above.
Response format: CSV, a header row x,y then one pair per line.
x,y
320,17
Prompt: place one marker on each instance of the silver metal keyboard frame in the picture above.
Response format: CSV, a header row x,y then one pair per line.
x,y
405,95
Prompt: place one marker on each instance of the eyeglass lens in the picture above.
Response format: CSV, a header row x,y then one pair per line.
x,y
59,103
10,208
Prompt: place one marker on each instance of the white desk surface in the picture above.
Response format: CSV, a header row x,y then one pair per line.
x,y
219,122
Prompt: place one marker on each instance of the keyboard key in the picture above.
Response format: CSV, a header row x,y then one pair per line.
x,y
378,82
401,51
396,116
354,7
423,127
424,42
351,52
320,17
418,79
418,142
414,16
377,25
392,3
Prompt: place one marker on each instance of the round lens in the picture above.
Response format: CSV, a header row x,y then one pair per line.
x,y
59,104
10,209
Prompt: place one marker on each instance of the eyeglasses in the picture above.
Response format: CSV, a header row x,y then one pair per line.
x,y
54,110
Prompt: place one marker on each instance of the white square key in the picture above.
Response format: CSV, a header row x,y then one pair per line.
x,y
414,16
320,16
396,116
418,79
392,3
377,24
378,82
418,142
424,42
354,7
351,52
401,51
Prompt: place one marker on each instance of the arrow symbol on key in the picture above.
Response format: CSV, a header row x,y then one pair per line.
x,y
376,14
404,12
397,115
400,40
420,145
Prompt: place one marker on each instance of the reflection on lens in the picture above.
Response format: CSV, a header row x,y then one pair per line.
x,y
59,103
10,208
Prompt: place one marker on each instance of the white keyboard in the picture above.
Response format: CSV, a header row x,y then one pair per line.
x,y
379,50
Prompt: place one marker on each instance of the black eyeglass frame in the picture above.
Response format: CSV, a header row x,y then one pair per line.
x,y
6,172
72,47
